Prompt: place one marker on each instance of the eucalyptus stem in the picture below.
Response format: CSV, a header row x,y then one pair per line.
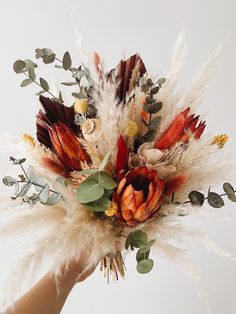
x,y
40,86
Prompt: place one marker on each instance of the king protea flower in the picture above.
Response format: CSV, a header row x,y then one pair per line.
x,y
138,196
179,130
67,147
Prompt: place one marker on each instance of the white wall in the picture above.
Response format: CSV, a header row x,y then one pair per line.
x,y
115,28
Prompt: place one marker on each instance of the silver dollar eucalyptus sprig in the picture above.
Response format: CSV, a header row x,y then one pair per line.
x,y
30,179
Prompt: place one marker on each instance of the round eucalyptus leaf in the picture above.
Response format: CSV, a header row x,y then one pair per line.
x,y
104,179
139,238
142,255
229,190
26,82
98,206
89,191
147,247
30,173
66,61
196,198
19,66
8,181
145,266
215,200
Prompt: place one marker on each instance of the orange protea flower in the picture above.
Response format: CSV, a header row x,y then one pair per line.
x,y
67,147
179,130
138,196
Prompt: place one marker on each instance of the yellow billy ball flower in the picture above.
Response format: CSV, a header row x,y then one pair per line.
x,y
220,140
29,140
81,106
131,129
112,209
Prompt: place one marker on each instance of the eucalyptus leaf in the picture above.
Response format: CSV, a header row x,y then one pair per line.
x,y
215,200
30,173
19,66
147,247
76,95
49,58
154,90
196,198
53,199
25,188
155,122
99,205
32,74
148,137
104,161
39,181
141,256
89,191
44,84
30,64
69,83
139,238
104,179
229,190
44,193
16,187
58,66
145,266
152,108
66,61
161,81
8,181
26,82
40,93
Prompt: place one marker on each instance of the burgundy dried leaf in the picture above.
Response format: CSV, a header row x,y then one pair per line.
x,y
54,112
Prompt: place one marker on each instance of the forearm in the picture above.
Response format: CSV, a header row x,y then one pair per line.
x,y
43,297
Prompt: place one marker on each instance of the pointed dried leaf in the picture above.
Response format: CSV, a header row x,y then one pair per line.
x,y
44,84
26,82
66,61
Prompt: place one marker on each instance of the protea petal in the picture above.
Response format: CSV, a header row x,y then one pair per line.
x,y
127,214
140,212
138,198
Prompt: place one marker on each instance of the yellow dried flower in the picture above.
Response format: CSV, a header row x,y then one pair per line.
x,y
220,140
131,129
112,209
29,139
81,105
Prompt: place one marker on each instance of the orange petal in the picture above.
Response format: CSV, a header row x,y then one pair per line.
x,y
138,198
127,214
150,192
126,197
132,223
120,186
141,211
156,196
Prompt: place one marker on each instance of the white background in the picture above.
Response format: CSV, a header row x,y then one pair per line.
x,y
114,29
